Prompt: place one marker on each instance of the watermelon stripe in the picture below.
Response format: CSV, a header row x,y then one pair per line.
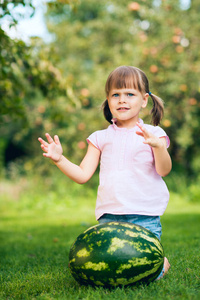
x,y
125,281
131,233
116,244
83,253
136,262
96,267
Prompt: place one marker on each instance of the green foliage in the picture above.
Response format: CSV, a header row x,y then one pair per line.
x,y
94,39
59,87
33,91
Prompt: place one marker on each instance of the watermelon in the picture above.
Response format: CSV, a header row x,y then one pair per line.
x,y
116,254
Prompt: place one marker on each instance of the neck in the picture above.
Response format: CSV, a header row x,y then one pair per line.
x,y
126,123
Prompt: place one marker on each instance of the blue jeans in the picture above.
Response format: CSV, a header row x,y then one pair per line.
x,y
151,223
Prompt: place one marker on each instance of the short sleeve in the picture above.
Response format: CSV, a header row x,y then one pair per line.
x,y
98,138
93,139
159,132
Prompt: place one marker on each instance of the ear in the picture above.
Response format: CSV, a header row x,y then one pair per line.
x,y
145,100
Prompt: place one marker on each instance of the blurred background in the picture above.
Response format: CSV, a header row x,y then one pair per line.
x,y
55,57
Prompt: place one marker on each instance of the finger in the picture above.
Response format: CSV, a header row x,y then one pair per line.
x,y
44,148
42,142
149,142
49,138
56,139
140,126
146,142
143,131
139,133
146,133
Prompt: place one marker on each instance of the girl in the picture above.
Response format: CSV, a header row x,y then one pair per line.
x,y
133,156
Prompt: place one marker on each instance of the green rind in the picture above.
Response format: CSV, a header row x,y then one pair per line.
x,y
115,254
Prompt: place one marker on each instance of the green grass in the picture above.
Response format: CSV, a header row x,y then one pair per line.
x,y
39,220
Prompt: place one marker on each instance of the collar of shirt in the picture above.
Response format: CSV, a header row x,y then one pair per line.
x,y
114,121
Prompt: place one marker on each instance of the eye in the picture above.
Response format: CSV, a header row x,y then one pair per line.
x,y
130,94
115,95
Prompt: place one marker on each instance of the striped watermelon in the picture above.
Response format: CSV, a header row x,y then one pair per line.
x,y
115,254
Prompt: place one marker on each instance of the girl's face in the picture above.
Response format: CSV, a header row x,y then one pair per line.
x,y
125,105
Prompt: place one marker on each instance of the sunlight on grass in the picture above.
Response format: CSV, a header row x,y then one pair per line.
x,y
41,219
179,204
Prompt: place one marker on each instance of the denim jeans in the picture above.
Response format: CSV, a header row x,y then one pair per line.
x,y
151,223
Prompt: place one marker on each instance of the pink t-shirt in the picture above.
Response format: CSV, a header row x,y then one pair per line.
x,y
129,183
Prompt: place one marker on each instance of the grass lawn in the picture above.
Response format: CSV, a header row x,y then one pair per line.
x,y
38,224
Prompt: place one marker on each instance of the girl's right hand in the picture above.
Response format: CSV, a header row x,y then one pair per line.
x,y
53,148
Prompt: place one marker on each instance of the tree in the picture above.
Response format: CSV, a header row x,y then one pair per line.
x,y
29,82
93,39
59,87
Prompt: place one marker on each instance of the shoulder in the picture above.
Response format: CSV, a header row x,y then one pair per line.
x,y
100,133
98,137
156,130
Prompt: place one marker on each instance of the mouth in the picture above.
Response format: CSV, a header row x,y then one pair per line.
x,y
123,108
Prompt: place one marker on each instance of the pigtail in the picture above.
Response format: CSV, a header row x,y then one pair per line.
x,y
106,111
157,111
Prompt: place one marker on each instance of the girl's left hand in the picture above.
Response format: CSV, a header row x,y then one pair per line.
x,y
149,138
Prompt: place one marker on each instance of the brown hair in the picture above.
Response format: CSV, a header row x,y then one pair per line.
x,y
132,77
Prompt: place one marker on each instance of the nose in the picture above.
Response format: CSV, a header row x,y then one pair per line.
x,y
122,98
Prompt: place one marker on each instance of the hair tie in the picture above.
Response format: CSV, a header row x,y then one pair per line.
x,y
149,93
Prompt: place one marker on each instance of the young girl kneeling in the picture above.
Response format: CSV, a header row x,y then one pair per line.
x,y
133,156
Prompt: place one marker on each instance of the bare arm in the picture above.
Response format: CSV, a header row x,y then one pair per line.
x,y
85,170
163,163
79,174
